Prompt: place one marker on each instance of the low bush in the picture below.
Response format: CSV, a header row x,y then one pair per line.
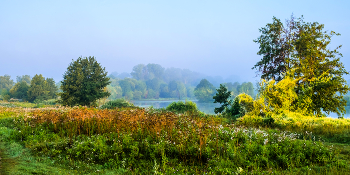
x,y
181,107
118,103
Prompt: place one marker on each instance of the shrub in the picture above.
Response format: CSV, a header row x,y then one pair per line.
x,y
118,103
6,97
181,107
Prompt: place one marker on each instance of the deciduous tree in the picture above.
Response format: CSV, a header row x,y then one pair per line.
x,y
20,90
204,91
84,82
300,51
36,89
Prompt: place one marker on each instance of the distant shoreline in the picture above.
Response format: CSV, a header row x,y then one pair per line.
x,y
163,100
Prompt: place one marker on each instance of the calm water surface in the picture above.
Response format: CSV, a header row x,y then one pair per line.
x,y
206,107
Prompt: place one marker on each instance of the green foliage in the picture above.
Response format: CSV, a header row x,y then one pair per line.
x,y
247,104
237,88
151,94
6,97
236,109
136,141
156,82
118,103
137,95
5,94
127,85
204,91
274,49
20,90
51,88
36,89
248,88
279,97
222,96
181,107
84,83
300,50
41,89
147,72
153,84
325,128
6,82
25,78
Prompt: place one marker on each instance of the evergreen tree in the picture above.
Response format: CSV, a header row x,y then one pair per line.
x,y
222,96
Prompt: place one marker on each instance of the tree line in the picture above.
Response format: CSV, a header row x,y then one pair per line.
x,y
29,89
152,81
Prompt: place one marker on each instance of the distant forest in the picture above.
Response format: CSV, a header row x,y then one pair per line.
x,y
151,81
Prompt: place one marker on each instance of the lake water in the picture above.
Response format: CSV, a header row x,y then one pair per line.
x,y
206,107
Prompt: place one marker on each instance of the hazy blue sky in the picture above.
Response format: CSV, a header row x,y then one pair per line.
x,y
210,37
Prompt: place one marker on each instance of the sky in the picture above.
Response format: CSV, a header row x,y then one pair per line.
x,y
210,37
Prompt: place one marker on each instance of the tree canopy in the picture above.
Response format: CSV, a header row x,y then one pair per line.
x,y
84,82
6,82
40,88
301,51
222,96
20,90
204,91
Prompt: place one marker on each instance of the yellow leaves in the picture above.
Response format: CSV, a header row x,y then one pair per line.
x,y
246,102
301,123
279,96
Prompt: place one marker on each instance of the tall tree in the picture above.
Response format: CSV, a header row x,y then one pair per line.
x,y
154,71
36,89
51,88
20,90
25,78
204,91
248,88
6,82
318,70
139,72
300,50
84,82
276,44
222,96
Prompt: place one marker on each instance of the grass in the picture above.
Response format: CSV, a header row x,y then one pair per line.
x,y
330,129
84,140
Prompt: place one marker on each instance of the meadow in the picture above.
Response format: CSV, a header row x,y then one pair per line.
x,y
131,140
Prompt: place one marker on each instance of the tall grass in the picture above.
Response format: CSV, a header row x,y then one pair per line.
x,y
144,141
